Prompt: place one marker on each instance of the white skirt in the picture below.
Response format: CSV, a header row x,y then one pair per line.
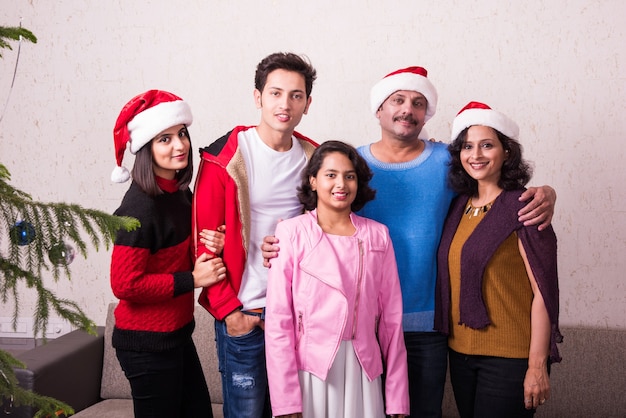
x,y
346,393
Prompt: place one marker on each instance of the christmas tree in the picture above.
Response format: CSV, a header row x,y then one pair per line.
x,y
41,240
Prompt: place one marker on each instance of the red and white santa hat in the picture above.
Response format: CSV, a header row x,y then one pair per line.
x,y
476,113
141,119
410,78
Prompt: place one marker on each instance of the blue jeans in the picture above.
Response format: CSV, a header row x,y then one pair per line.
x,y
244,375
427,355
486,386
168,384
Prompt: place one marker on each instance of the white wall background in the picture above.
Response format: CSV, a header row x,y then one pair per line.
x,y
558,67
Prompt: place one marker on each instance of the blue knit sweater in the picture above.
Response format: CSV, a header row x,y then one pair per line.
x,y
412,199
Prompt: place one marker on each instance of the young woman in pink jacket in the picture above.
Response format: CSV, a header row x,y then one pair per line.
x,y
334,307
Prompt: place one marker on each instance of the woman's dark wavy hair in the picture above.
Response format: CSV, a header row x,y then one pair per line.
x,y
285,61
516,172
363,175
143,171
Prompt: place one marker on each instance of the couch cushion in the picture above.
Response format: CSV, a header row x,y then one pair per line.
x,y
589,382
108,408
114,382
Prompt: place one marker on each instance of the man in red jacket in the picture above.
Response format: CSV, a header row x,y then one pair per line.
x,y
247,180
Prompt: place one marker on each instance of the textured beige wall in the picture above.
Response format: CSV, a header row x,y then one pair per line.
x,y
558,67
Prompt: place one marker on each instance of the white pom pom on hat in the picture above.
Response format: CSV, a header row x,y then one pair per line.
x,y
477,113
410,78
120,174
141,119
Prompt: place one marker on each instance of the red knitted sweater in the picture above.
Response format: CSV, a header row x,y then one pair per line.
x,y
151,271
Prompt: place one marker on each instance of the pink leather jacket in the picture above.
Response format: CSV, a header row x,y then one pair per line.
x,y
307,310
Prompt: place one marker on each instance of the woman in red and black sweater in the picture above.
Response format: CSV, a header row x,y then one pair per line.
x,y
152,272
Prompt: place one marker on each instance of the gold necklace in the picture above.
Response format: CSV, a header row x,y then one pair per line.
x,y
473,211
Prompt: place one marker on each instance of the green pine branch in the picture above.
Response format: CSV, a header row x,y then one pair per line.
x,y
12,33
52,224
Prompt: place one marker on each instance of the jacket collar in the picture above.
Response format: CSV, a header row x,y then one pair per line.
x,y
317,261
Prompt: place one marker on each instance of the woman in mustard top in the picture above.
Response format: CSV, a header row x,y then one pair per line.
x,y
497,288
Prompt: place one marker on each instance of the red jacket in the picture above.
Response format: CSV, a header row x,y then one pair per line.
x,y
221,198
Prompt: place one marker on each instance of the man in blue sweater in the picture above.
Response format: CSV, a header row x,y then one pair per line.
x,y
412,199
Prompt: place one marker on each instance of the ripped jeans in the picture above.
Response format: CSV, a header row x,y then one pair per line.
x,y
244,375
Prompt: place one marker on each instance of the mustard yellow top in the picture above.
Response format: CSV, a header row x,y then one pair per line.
x,y
507,294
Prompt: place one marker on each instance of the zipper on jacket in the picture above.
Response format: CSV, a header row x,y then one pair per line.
x,y
358,289
300,329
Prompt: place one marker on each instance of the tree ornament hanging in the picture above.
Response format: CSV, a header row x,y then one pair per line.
x,y
61,254
22,233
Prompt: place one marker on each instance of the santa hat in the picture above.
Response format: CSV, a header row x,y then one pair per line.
x,y
411,78
476,113
141,119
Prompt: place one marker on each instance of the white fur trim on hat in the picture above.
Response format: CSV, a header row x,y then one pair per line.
x,y
147,124
484,117
404,81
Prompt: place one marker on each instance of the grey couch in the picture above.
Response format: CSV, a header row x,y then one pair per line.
x,y
83,371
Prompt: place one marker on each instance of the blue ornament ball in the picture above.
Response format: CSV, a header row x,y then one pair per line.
x,y
61,254
22,233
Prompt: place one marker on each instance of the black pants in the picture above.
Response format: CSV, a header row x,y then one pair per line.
x,y
167,384
487,386
427,356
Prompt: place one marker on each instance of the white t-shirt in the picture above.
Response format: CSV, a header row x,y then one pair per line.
x,y
273,178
